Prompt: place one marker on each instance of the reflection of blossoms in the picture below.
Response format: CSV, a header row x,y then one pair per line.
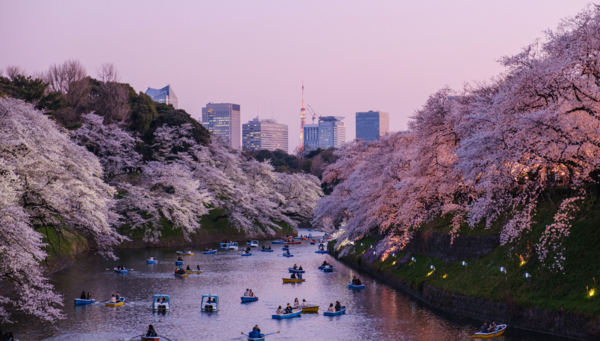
x,y
487,152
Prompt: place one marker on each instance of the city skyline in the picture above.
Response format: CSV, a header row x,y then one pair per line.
x,y
381,64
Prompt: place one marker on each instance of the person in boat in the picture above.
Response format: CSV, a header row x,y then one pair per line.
x,y
251,293
338,306
493,326
197,267
150,331
262,247
9,336
117,296
288,251
179,258
188,268
113,299
331,309
288,309
295,267
254,334
293,276
256,328
304,304
269,247
82,295
299,276
279,311
300,268
247,293
296,303
89,296
484,328
356,281
151,258
324,263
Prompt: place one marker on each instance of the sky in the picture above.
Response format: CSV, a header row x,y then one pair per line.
x,y
351,55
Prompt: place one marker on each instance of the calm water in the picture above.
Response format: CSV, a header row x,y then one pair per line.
x,y
376,313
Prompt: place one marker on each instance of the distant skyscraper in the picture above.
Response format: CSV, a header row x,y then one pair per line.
x,y
265,134
164,95
332,132
311,137
223,119
371,125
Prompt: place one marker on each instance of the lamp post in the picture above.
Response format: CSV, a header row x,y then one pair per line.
x,y
528,276
465,265
502,269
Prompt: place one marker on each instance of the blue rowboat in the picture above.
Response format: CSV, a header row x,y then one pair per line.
x,y
179,262
266,250
286,255
329,269
262,338
309,230
294,313
312,243
292,270
324,251
246,299
352,286
277,242
298,238
285,248
124,271
342,311
210,252
246,254
152,261
79,301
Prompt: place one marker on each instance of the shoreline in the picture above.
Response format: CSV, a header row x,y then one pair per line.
x,y
547,322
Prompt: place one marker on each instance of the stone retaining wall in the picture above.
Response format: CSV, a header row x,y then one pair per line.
x,y
464,247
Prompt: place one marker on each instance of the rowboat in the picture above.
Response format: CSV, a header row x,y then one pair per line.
x,y
210,252
178,262
286,255
124,271
304,238
322,251
193,271
310,309
285,248
224,246
352,286
152,261
277,242
161,302
257,338
328,269
292,270
342,311
298,238
312,243
185,253
181,275
246,254
233,246
253,243
209,307
293,280
120,302
323,267
294,313
150,338
246,299
266,250
499,331
294,243
79,301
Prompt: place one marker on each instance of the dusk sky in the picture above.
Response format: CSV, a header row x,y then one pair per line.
x,y
352,55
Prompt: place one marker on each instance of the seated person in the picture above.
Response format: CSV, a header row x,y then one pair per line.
x,y
254,334
299,276
279,311
304,304
113,299
188,267
300,268
197,267
82,295
288,251
151,331
256,328
89,296
331,309
493,326
324,263
9,336
484,328
151,258
296,303
179,258
118,296
288,309
295,267
269,247
338,306
251,293
293,276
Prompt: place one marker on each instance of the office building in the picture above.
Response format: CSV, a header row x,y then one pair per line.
x,y
164,95
223,119
311,137
264,134
371,125
332,132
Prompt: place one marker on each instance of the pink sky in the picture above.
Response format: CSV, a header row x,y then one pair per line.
x,y
352,55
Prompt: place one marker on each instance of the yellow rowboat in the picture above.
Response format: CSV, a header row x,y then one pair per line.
x,y
310,309
498,332
181,275
110,304
293,280
185,253
193,271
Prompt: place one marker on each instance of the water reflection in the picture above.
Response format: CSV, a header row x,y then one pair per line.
x,y
375,313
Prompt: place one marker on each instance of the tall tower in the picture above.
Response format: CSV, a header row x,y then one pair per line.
x,y
302,120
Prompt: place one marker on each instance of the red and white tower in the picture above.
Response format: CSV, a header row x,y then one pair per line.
x,y
302,120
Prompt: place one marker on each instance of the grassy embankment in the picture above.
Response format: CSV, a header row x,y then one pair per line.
x,y
482,278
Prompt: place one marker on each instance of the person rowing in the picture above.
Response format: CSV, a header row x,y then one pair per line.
x,y
117,296
356,281
288,309
338,306
83,297
293,276
493,326
150,331
295,267
255,333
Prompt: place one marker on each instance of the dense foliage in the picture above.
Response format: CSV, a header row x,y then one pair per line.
x,y
484,153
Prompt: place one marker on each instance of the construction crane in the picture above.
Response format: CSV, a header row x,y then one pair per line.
x,y
313,113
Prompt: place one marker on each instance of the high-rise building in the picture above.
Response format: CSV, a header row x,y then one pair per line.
x,y
223,119
311,137
302,120
332,132
372,124
164,95
265,134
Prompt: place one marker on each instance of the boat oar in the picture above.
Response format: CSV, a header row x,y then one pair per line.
x,y
497,329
